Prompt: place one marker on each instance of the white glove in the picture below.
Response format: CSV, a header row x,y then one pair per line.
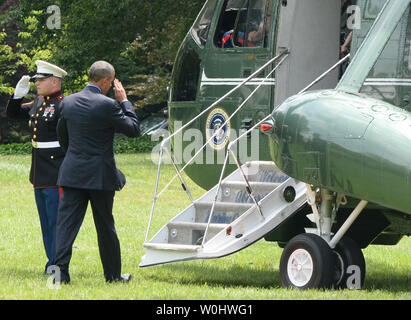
x,y
22,88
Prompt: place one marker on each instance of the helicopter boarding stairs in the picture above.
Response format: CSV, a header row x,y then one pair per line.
x,y
241,209
236,222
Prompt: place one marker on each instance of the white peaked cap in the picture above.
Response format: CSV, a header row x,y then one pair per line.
x,y
45,69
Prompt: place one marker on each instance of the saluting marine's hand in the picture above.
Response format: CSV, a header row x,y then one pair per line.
x,y
22,88
119,91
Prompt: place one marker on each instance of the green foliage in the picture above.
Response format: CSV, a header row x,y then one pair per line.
x,y
15,148
121,145
156,46
18,132
140,38
20,56
133,145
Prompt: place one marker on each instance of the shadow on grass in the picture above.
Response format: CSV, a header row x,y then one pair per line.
x,y
202,273
23,273
379,277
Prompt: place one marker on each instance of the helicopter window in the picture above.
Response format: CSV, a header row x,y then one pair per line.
x,y
201,26
373,8
389,79
226,22
252,25
243,23
186,78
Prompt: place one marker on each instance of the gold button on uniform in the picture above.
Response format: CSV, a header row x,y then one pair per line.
x,y
34,137
35,129
52,157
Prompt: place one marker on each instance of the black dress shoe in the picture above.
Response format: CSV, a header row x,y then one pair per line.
x,y
124,278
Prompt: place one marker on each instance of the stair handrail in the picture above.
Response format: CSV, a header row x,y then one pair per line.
x,y
252,76
249,191
232,143
222,126
284,53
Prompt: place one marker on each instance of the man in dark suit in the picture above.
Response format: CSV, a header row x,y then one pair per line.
x,y
86,130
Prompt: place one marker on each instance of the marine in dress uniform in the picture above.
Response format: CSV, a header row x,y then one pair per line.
x,y
42,115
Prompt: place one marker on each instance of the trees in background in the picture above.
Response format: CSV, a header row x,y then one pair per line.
x,y
139,37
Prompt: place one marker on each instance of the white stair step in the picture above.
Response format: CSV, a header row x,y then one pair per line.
x,y
235,191
264,171
253,184
224,212
172,247
262,165
197,225
191,233
224,206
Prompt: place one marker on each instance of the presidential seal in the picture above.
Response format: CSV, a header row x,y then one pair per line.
x,y
214,123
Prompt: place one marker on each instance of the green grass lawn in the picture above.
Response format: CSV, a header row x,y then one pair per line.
x,y
249,274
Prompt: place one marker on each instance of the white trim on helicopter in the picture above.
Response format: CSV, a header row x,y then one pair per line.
x,y
387,82
206,81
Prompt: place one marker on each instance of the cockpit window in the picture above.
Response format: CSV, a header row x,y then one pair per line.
x,y
373,8
244,23
252,25
201,26
390,78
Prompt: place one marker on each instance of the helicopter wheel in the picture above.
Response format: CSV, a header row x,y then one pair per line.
x,y
349,254
307,262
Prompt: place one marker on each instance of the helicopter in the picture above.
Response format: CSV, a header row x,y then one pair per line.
x,y
328,135
205,70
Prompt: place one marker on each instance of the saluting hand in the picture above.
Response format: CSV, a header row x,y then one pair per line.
x,y
119,91
22,87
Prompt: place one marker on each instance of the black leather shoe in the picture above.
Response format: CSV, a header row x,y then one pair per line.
x,y
124,278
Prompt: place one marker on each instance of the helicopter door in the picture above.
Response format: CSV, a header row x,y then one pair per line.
x,y
310,29
242,42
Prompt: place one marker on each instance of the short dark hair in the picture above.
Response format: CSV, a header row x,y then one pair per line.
x,y
100,70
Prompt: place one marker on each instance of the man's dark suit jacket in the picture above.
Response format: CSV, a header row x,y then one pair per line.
x,y
85,131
